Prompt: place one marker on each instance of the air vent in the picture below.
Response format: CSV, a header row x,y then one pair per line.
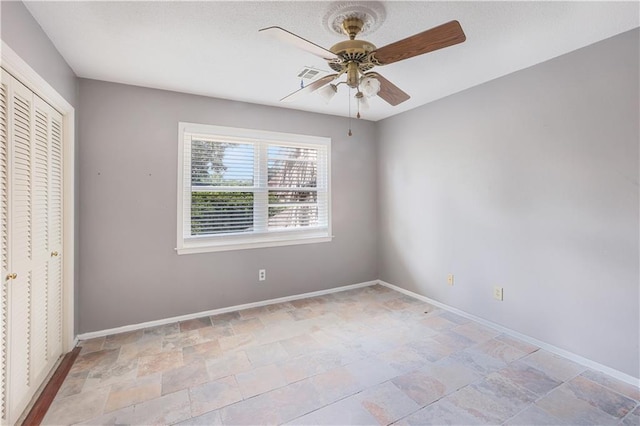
x,y
310,73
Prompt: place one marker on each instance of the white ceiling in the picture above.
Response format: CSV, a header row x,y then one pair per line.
x,y
214,48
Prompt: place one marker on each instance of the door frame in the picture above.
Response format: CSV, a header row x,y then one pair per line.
x,y
23,72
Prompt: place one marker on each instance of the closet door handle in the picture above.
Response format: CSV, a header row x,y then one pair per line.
x,y
54,254
12,276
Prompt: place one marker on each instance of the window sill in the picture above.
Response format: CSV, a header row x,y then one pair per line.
x,y
207,247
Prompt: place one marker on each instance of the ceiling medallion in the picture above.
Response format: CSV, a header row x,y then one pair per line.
x,y
371,13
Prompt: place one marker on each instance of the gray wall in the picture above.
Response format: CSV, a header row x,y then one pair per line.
x,y
529,182
24,35
130,272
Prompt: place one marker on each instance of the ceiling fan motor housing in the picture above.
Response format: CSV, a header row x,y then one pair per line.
x,y
356,51
354,54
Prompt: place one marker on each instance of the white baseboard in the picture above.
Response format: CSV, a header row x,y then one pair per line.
x,y
546,346
133,327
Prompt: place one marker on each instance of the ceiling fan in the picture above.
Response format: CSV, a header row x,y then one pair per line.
x,y
356,58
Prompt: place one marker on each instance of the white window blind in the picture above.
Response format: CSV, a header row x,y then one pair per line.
x,y
242,188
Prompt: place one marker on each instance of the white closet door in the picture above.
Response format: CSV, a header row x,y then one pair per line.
x,y
54,298
31,242
4,239
40,236
21,245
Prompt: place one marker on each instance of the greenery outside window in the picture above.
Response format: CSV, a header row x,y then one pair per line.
x,y
243,188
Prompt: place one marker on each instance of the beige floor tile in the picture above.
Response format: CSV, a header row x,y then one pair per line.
x,y
237,341
527,377
118,372
598,396
476,332
633,418
437,323
442,412
161,330
123,416
368,355
247,326
404,359
215,332
308,365
453,341
609,382
143,347
335,384
431,349
73,384
201,351
267,354
260,380
534,415
181,340
294,400
227,365
226,318
133,392
158,363
566,406
211,418
76,408
302,344
517,343
91,345
194,324
387,403
499,350
213,395
117,340
275,317
101,358
348,411
183,377
165,410
476,404
554,366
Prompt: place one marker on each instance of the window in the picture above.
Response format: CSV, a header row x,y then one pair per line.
x,y
242,188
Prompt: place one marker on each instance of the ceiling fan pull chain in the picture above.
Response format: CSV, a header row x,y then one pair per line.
x,y
350,112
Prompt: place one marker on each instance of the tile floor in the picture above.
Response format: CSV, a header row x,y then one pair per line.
x,y
366,356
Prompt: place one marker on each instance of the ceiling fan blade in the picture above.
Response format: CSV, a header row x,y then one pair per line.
x,y
392,94
309,88
427,41
288,37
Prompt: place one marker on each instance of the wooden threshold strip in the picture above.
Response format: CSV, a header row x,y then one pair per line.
x,y
39,409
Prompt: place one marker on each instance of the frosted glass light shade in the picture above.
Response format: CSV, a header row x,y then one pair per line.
x,y
363,103
370,86
327,92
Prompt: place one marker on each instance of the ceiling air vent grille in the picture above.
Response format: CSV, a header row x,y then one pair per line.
x,y
308,73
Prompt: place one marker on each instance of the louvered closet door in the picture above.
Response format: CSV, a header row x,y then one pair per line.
x,y
32,244
46,312
54,298
4,240
20,246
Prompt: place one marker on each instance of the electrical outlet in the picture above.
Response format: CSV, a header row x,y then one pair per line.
x,y
498,293
450,279
262,274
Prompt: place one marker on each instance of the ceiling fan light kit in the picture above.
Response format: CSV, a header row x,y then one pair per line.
x,y
355,58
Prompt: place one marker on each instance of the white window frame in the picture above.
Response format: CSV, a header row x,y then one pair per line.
x,y
187,244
